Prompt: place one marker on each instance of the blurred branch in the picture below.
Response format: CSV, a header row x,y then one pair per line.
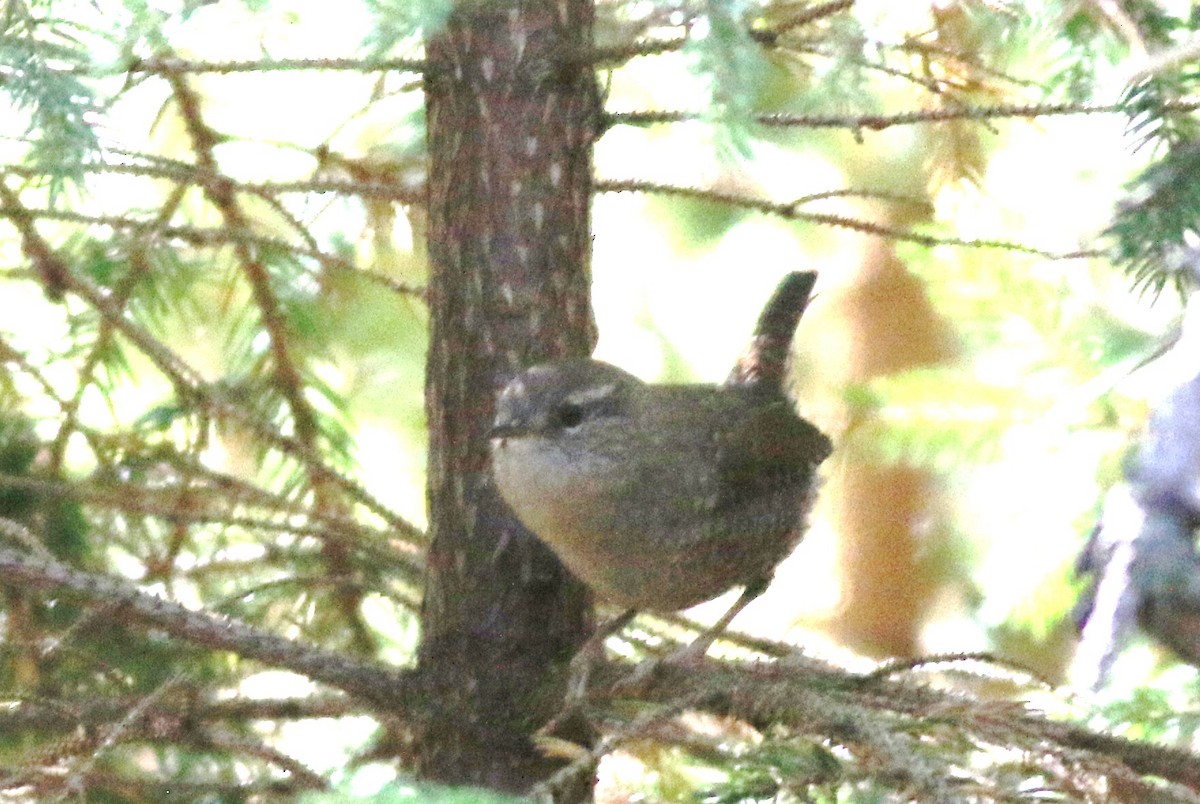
x,y
53,274
11,354
1123,23
387,688
768,37
884,719
881,122
213,503
1163,60
189,384
994,665
286,361
169,65
219,739
602,57
139,269
641,726
183,173
931,51
220,192
70,761
182,702
121,730
210,236
42,785
789,211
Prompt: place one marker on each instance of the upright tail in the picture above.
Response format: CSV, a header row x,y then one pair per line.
x,y
763,364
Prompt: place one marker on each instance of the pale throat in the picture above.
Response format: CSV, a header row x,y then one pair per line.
x,y
552,492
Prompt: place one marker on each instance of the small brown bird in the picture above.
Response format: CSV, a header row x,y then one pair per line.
x,y
663,496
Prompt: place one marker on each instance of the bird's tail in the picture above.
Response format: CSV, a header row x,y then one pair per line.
x,y
763,365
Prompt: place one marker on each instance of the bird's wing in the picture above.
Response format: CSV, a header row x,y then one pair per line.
x,y
769,452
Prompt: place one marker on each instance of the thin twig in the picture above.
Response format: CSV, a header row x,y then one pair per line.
x,y
789,211
170,65
132,498
183,173
619,54
220,236
285,359
188,382
392,690
138,269
29,713
73,785
880,122
224,740
584,764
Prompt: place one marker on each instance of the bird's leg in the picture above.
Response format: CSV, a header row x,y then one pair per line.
x,y
591,654
694,652
700,645
580,671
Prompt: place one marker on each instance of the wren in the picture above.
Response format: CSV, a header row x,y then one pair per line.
x,y
657,496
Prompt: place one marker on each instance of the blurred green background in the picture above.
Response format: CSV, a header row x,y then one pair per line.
x,y
979,359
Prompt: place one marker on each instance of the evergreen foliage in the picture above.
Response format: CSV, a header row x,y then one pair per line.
x,y
211,332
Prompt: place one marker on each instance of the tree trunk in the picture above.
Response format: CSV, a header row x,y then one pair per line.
x,y
512,113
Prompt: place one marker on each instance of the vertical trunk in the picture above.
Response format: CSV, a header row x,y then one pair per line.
x,y
511,117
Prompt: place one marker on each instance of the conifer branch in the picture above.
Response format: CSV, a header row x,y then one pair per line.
x,y
183,701
221,194
286,371
789,211
171,65
805,16
214,502
50,270
219,236
616,55
390,689
138,270
38,784
768,37
875,122
188,383
876,718
215,738
185,174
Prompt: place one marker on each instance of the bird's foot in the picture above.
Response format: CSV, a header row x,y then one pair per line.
x,y
581,669
639,679
579,674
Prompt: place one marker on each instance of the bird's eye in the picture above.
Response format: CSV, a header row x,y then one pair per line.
x,y
568,415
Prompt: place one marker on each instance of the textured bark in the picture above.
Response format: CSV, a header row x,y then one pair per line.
x,y
511,119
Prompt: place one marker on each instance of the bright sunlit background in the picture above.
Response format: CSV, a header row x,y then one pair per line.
x,y
989,448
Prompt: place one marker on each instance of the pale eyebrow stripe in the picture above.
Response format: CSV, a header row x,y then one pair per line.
x,y
586,395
